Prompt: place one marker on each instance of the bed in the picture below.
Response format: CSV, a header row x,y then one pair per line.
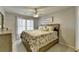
x,y
41,39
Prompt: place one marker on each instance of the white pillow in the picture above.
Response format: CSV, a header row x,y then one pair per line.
x,y
44,28
50,28
40,27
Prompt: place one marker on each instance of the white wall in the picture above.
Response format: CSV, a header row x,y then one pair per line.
x,y
66,19
77,28
10,22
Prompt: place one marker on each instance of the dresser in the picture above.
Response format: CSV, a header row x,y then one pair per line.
x,y
5,41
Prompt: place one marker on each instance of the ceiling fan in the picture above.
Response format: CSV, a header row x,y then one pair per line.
x,y
36,14
37,11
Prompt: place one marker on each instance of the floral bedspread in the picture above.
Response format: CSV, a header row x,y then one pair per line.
x,y
37,39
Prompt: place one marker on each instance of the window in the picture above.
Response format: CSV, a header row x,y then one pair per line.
x,y
20,25
30,25
23,24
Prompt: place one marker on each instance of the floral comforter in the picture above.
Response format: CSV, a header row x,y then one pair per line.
x,y
37,38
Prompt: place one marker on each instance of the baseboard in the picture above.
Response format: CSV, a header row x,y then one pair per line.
x,y
69,46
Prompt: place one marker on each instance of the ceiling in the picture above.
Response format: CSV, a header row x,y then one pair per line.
x,y
29,10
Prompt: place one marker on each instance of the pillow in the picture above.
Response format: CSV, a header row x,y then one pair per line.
x,y
50,28
40,27
44,28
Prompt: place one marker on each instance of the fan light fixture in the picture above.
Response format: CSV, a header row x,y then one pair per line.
x,y
36,13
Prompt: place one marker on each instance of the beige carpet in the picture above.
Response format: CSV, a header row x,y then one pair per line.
x,y
19,47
